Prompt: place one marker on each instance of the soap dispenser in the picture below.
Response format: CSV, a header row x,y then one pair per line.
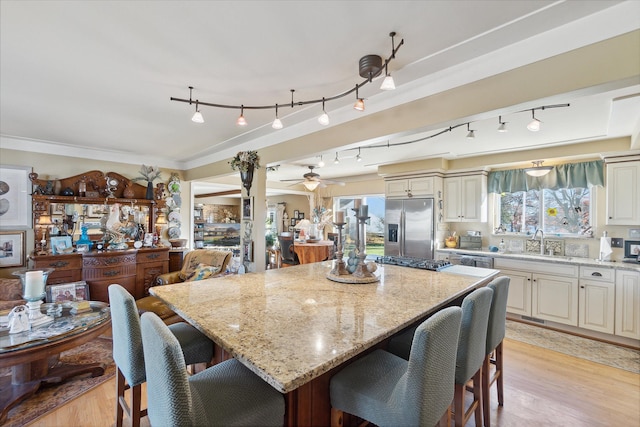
x,y
502,247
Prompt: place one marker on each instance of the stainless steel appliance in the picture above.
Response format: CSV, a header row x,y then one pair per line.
x,y
471,260
409,228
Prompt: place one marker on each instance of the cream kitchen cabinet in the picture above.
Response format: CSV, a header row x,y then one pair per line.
x,y
465,198
410,187
623,193
550,296
596,299
627,316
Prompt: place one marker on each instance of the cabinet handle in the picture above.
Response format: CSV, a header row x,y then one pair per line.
x,y
596,274
59,264
582,287
528,279
153,256
111,273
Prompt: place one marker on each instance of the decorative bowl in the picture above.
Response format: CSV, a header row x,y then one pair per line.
x,y
178,243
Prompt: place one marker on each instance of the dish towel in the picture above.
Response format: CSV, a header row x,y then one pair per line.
x,y
605,248
467,260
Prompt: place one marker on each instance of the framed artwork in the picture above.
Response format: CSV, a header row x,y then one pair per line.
x,y
247,208
248,251
301,215
293,222
631,248
15,191
65,292
12,248
296,213
60,244
82,247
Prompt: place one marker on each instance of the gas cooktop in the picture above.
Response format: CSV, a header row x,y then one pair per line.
x,y
421,263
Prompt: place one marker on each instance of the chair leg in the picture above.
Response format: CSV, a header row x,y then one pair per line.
x,y
136,403
120,388
337,417
500,373
458,405
486,390
477,396
460,413
445,421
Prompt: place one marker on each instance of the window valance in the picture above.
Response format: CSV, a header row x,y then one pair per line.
x,y
569,175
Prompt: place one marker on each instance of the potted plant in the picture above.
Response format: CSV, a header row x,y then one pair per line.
x,y
246,162
149,174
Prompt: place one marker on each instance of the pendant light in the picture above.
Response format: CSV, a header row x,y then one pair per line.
x,y
277,124
503,125
359,105
534,125
241,120
321,162
197,116
471,134
324,118
537,169
387,83
310,185
336,160
358,158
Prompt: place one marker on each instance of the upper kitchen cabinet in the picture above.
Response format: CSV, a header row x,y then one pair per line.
x,y
623,193
465,198
424,186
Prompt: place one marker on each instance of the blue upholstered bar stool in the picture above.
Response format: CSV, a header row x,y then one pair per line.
x,y
471,352
495,336
226,394
129,357
387,390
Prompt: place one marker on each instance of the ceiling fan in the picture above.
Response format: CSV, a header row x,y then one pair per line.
x,y
312,180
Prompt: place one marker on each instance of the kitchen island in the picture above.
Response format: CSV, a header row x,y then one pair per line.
x,y
293,326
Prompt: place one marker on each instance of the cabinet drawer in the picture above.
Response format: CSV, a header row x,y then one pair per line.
x,y
598,273
536,267
60,263
154,256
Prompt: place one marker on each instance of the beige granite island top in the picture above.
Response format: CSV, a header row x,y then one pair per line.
x,y
291,325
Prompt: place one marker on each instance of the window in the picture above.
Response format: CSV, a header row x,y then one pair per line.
x,y
565,211
374,228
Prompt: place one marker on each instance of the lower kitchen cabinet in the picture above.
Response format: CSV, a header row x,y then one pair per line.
x,y
627,304
519,298
597,299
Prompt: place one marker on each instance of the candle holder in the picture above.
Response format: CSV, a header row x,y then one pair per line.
x,y
339,268
361,270
34,299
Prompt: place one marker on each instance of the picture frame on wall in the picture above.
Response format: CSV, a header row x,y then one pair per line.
x,y
15,188
247,208
12,248
296,213
301,215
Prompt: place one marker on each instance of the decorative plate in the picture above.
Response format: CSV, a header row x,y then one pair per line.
x,y
174,232
174,187
174,216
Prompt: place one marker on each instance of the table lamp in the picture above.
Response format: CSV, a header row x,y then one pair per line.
x,y
303,225
43,225
33,290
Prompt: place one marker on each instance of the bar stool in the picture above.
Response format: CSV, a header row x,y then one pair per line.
x,y
128,352
495,336
387,390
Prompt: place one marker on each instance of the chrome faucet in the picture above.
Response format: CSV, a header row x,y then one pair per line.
x,y
541,239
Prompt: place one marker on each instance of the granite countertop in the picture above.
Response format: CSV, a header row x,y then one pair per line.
x,y
292,325
548,258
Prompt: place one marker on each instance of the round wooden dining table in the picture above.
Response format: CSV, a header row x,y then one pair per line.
x,y
313,252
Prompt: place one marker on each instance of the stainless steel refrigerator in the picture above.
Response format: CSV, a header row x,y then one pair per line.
x,y
409,228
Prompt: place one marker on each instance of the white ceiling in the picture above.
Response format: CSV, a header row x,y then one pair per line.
x,y
94,79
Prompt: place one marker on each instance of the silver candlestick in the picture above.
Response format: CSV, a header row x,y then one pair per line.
x,y
339,268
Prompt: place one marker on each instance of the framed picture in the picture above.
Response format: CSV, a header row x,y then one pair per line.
x,y
65,292
60,244
293,222
12,248
631,248
82,247
296,213
247,208
15,190
248,251
301,215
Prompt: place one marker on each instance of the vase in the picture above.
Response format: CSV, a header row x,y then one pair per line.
x,y
149,195
247,179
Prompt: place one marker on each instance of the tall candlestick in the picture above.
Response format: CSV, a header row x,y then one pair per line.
x,y
33,284
356,203
339,217
364,211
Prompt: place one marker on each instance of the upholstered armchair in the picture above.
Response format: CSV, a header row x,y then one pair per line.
x,y
10,293
198,264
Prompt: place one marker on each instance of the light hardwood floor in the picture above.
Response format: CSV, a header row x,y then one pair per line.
x,y
542,388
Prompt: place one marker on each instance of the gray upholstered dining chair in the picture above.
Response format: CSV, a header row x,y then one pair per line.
x,y
226,394
128,354
387,390
495,336
471,353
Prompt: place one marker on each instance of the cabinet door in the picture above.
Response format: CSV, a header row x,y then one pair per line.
x,y
627,304
473,199
396,188
596,302
519,298
555,298
623,193
452,208
421,186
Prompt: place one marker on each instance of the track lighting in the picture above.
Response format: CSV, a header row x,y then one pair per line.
x,y
370,66
503,125
358,158
471,133
534,125
336,160
537,169
324,118
241,120
359,105
277,124
197,116
321,163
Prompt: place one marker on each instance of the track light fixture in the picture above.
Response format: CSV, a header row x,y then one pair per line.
x,y
534,125
388,83
358,158
471,133
370,66
321,162
537,169
503,125
336,160
197,116
277,124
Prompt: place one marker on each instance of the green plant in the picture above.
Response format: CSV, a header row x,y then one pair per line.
x,y
148,173
244,159
270,240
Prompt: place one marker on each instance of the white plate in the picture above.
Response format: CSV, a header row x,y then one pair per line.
x,y
174,216
174,232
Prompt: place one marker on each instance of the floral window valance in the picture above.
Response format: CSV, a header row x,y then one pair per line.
x,y
570,175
